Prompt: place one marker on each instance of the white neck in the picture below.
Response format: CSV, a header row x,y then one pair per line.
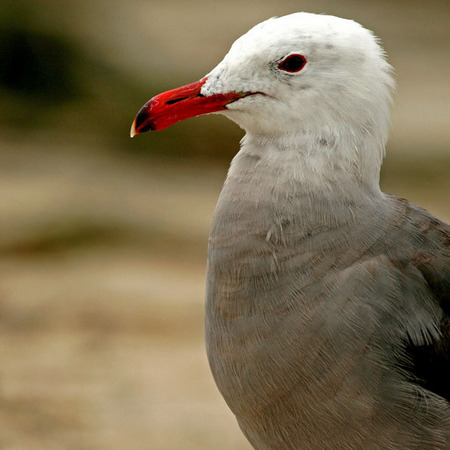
x,y
343,164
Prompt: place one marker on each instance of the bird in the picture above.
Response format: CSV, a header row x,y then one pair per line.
x,y
327,300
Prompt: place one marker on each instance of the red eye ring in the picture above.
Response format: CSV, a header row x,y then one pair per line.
x,y
292,63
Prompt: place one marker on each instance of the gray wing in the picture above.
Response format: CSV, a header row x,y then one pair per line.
x,y
425,244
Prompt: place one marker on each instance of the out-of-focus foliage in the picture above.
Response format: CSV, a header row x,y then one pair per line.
x,y
51,82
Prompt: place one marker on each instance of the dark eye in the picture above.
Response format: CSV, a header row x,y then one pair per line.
x,y
293,63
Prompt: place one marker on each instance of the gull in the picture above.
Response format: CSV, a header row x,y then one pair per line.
x,y
327,300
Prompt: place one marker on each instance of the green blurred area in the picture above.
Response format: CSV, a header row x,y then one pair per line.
x,y
103,239
54,83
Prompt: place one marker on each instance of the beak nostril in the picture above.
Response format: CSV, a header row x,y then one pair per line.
x,y
175,100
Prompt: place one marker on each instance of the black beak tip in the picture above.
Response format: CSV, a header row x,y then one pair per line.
x,y
141,123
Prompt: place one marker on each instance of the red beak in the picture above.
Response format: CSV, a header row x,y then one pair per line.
x,y
170,107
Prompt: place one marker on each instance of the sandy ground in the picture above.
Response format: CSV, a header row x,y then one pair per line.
x,y
101,292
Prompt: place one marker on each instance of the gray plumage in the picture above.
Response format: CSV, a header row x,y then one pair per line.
x,y
322,291
314,307
327,304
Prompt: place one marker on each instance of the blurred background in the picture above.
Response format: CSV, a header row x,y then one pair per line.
x,y
103,239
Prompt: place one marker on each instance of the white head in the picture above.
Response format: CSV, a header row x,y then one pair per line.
x,y
298,78
345,80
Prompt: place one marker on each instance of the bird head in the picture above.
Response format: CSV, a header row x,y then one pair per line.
x,y
298,74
